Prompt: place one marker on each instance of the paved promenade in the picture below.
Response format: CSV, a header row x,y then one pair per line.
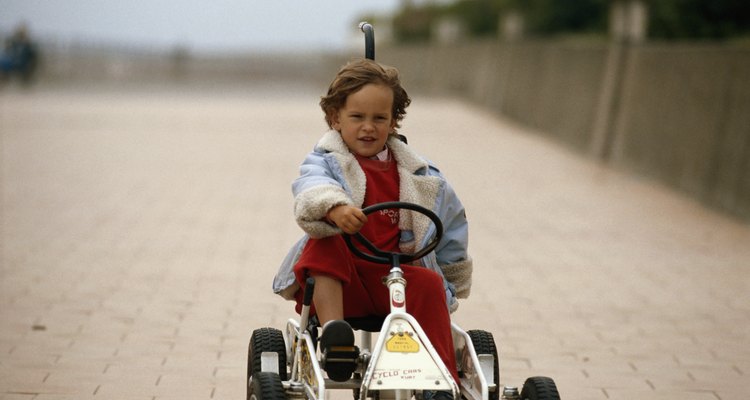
x,y
141,230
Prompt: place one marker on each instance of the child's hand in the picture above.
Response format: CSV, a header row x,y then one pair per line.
x,y
349,219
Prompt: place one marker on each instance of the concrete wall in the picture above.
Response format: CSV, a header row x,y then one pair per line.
x,y
685,119
82,64
677,113
548,87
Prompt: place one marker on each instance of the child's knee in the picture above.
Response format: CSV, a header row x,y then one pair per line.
x,y
426,280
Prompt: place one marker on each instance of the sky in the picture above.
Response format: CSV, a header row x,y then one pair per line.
x,y
202,26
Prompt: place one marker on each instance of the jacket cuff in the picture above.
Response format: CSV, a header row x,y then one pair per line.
x,y
311,207
459,275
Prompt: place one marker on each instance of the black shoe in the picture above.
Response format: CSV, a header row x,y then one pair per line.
x,y
437,395
339,354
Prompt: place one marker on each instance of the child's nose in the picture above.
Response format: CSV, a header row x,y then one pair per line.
x,y
369,125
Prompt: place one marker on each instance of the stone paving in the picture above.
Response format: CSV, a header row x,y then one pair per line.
x,y
141,229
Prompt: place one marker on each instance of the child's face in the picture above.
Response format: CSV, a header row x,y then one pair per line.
x,y
366,119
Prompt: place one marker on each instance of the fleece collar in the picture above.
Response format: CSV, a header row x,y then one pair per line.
x,y
416,186
406,157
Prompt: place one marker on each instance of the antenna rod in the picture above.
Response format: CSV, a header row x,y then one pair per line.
x,y
366,27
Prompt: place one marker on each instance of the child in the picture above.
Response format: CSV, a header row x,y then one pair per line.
x,y
361,162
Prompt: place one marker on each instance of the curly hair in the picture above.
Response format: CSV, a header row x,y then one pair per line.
x,y
356,74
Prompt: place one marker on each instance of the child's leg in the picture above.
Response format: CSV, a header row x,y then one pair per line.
x,y
331,267
363,292
339,291
425,301
328,298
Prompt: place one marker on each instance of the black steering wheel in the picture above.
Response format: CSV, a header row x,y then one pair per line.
x,y
386,257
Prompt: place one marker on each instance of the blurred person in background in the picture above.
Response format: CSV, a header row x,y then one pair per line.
x,y
19,56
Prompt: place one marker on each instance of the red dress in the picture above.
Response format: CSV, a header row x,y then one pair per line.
x,y
363,289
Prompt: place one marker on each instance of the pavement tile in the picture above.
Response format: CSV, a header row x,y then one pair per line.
x,y
19,396
620,394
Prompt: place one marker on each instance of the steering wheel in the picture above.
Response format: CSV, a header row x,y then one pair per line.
x,y
386,257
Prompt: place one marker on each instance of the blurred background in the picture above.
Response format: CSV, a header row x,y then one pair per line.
x,y
657,87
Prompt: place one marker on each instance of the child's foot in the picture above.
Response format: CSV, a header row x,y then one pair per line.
x,y
437,395
338,350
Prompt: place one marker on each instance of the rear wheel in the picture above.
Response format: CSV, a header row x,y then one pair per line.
x,y
265,340
265,386
539,388
484,343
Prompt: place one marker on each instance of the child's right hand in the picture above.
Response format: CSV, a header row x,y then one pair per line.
x,y
348,218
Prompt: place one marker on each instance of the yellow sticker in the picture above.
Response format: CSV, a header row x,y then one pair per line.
x,y
402,344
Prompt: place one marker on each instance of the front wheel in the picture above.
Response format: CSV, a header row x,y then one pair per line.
x,y
265,340
484,343
266,386
539,388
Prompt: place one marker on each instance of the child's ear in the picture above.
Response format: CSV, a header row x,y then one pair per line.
x,y
335,121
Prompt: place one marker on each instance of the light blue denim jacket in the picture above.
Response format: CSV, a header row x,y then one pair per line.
x,y
331,176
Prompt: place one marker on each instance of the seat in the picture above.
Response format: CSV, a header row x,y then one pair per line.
x,y
370,323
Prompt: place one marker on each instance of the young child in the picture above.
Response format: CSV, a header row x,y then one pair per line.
x,y
361,162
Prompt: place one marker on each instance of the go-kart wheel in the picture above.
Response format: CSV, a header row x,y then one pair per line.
x,y
539,388
265,340
385,257
265,386
484,343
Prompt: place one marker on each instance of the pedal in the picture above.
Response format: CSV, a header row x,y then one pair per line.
x,y
339,354
339,362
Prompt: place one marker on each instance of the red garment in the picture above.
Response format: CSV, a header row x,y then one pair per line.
x,y
382,185
363,289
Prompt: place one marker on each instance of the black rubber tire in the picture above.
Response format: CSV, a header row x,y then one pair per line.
x,y
484,343
266,340
539,388
265,386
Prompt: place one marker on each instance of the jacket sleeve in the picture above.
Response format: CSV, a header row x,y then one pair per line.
x,y
316,191
452,252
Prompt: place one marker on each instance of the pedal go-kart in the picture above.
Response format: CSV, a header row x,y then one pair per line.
x,y
402,364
